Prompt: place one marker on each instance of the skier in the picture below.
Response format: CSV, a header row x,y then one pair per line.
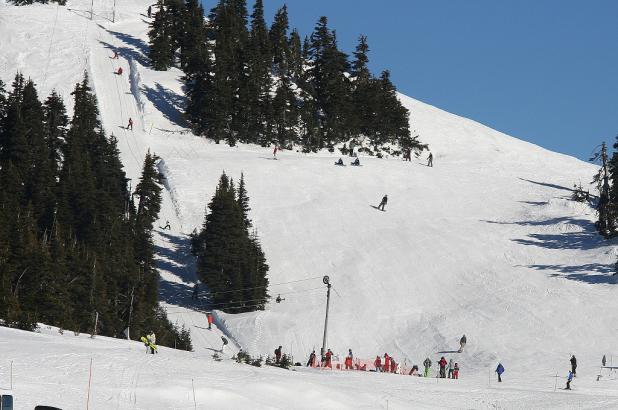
x,y
224,340
356,162
393,366
442,364
115,57
348,361
427,364
278,355
407,155
149,11
451,369
430,160
167,223
383,203
414,371
152,340
339,162
328,359
500,370
569,380
119,71
574,365
311,361
275,152
603,361
195,291
462,343
377,363
456,372
387,363
209,317
130,127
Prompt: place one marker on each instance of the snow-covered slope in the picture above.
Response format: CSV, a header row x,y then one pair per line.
x,y
485,243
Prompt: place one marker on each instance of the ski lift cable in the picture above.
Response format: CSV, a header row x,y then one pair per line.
x,y
265,286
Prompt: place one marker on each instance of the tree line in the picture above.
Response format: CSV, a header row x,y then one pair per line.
x,y
74,241
247,82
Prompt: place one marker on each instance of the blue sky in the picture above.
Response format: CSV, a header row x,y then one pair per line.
x,y
545,71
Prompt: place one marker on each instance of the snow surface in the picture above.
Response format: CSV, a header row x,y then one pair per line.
x,y
485,243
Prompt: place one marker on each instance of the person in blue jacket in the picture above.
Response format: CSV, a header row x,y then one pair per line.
x,y
500,370
569,380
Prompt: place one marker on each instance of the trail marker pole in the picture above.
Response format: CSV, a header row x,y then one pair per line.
x,y
89,381
91,9
555,381
326,281
11,375
194,402
114,13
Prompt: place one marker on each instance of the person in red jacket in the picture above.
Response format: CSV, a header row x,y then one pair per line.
x,y
442,364
387,363
378,363
119,72
348,363
393,366
328,359
209,317
130,124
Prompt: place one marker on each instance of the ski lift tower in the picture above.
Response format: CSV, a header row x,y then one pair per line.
x,y
326,281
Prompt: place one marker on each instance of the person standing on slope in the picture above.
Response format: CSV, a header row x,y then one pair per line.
x,y
456,371
387,363
130,127
311,361
119,71
574,365
378,364
603,361
275,152
500,370
427,364
462,343
442,364
209,317
149,11
451,369
278,355
152,340
383,203
569,380
329,357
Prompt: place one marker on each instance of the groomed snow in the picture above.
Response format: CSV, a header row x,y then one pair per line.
x,y
485,243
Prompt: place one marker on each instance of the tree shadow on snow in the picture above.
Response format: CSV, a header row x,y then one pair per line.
x,y
547,184
138,46
168,102
592,273
126,52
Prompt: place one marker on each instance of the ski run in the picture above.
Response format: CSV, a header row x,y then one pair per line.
x,y
485,243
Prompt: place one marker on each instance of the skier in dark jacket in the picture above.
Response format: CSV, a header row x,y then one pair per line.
x,y
430,160
311,361
278,355
569,380
500,370
383,203
574,365
149,11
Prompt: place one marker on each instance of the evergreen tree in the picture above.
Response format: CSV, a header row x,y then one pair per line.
x,y
193,38
295,57
279,41
161,43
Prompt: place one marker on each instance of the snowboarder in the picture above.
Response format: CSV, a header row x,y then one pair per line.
x,y
152,341
356,162
378,364
456,371
430,160
500,370
339,162
116,56
574,365
427,364
383,203
149,11
451,369
224,340
275,152
462,343
119,71
569,380
130,127
328,359
278,355
407,155
442,364
311,361
167,223
603,361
